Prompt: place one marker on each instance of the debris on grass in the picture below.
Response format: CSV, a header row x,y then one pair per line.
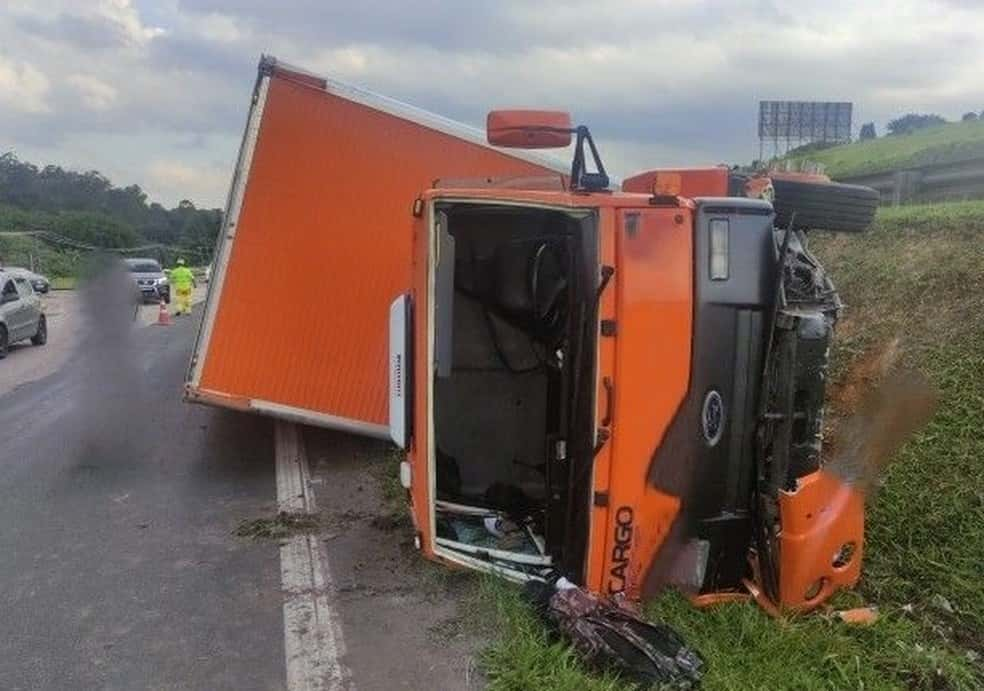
x,y
610,637
941,603
859,616
282,525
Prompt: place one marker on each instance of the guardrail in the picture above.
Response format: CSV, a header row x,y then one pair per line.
x,y
930,183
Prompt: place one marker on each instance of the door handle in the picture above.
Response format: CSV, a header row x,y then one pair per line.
x,y
606,421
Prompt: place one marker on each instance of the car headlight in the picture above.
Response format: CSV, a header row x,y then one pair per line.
x,y
162,281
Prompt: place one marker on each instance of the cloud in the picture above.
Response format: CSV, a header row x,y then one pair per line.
x,y
95,94
92,25
661,82
173,177
222,28
23,87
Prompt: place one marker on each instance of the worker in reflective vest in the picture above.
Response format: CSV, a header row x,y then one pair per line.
x,y
182,282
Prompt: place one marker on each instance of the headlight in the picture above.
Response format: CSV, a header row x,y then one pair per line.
x,y
719,249
162,281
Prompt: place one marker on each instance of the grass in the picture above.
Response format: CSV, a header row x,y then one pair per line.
x,y
918,276
523,656
64,283
941,144
25,251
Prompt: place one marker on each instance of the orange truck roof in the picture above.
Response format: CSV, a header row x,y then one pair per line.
x,y
316,243
689,182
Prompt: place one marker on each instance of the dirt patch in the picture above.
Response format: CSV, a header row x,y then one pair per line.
x,y
866,372
889,414
391,521
278,527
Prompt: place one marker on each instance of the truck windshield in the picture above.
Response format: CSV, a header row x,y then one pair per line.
x,y
145,268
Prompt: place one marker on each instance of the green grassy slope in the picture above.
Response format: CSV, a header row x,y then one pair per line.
x,y
944,143
18,250
918,276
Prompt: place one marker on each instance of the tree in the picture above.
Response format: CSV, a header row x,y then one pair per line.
x,y
910,122
87,207
94,229
969,117
867,131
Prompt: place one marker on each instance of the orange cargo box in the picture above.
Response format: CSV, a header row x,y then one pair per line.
x,y
317,241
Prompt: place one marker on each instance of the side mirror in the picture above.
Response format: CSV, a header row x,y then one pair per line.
x,y
529,129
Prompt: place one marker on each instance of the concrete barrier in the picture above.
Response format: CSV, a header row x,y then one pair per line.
x,y
930,183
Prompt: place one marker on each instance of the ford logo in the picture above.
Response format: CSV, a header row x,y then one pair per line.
x,y
712,417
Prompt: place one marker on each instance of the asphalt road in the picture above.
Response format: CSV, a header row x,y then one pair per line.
x,y
119,563
26,363
119,568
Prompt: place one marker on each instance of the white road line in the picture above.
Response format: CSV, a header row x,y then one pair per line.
x,y
313,641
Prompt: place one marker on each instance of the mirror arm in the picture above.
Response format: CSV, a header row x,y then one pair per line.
x,y
578,169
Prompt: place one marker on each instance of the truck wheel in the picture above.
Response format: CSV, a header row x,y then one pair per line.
x,y
41,337
824,205
3,342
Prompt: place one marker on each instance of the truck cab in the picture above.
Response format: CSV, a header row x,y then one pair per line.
x,y
580,380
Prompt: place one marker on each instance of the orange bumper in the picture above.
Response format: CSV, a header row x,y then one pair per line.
x,y
821,542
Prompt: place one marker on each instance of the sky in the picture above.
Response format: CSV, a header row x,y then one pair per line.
x,y
155,92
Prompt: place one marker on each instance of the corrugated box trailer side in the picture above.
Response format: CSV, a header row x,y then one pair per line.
x,y
316,243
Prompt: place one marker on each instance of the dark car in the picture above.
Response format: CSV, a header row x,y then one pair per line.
x,y
37,281
150,279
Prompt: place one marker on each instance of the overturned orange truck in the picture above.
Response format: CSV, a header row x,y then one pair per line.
x,y
623,388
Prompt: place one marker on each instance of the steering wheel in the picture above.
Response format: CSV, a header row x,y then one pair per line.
x,y
548,286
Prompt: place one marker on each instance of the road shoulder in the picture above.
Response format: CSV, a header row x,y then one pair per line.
x,y
400,614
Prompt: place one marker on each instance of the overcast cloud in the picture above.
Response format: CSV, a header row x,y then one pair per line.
x,y
155,92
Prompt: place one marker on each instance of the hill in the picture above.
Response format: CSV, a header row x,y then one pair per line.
x,y
76,210
948,143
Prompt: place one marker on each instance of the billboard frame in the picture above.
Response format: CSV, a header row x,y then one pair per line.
x,y
786,124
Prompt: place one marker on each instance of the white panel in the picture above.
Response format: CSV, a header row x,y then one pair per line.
x,y
400,396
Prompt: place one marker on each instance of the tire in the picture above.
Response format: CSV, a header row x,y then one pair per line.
x,y
824,205
4,344
41,337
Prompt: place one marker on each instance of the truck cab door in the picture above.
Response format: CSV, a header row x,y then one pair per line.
x,y
403,332
411,350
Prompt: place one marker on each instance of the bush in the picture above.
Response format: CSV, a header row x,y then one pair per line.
x,y
913,121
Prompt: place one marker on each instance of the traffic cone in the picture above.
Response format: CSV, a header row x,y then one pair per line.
x,y
163,318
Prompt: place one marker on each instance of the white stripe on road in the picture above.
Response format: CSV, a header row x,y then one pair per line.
x,y
313,641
